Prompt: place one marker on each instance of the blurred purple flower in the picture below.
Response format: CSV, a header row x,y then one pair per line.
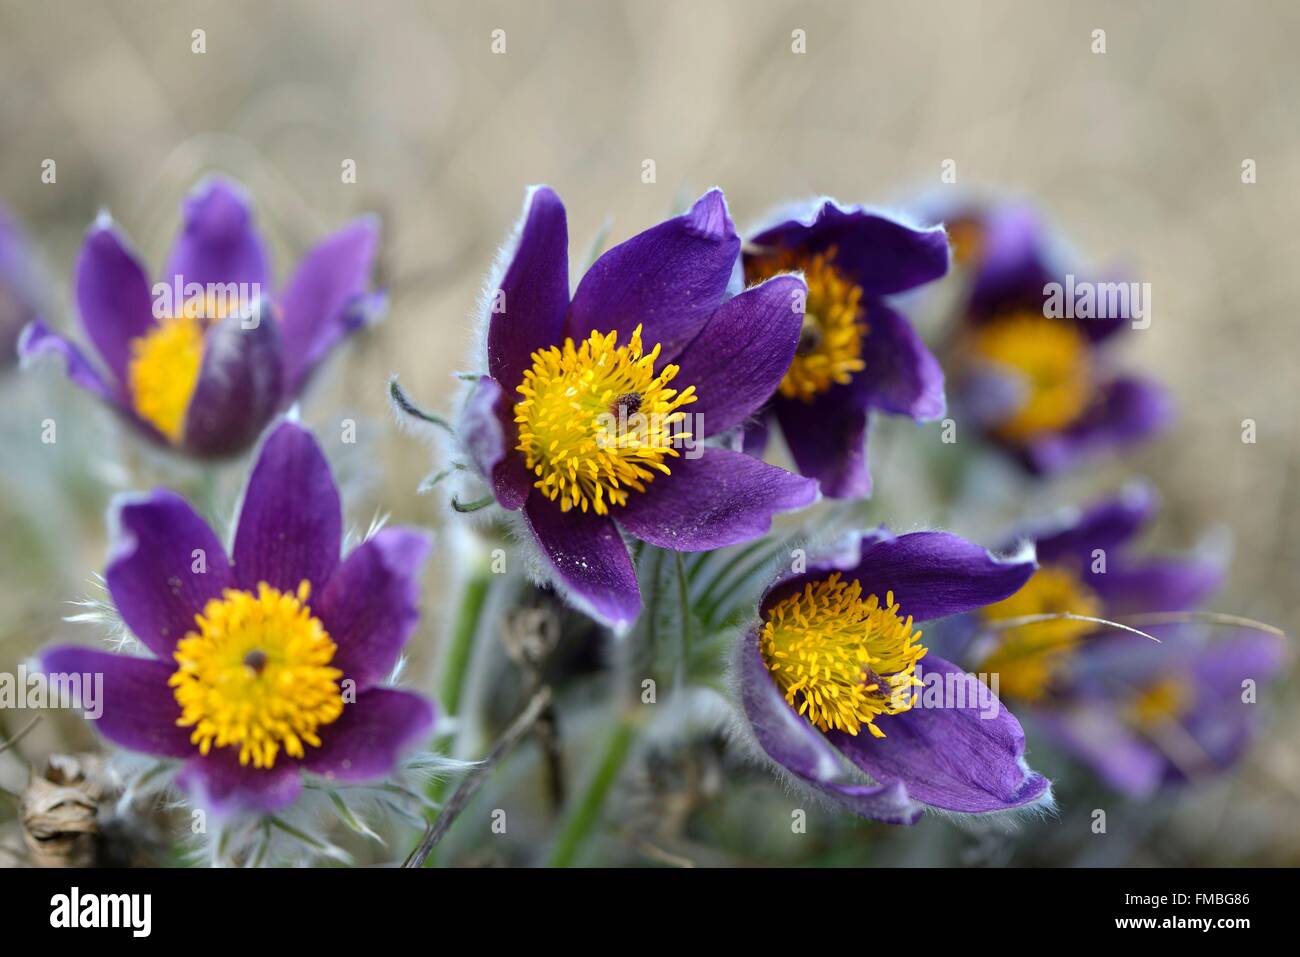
x,y
21,294
1086,568
268,663
588,431
1031,368
856,351
1144,716
192,361
1140,714
835,653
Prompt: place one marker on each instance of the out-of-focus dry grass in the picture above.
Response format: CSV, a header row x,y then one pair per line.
x,y
1136,153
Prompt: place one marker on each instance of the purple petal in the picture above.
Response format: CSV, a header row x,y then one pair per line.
x,y
1108,524
797,746
139,710
932,574
370,606
369,737
1016,259
1097,737
113,296
218,242
1156,584
1130,410
901,374
671,278
589,559
966,755
720,498
165,565
239,387
38,340
291,522
880,254
316,313
828,440
743,352
535,291
489,433
223,786
1223,664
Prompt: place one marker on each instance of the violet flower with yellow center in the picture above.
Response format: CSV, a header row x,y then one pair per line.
x,y
1036,378
202,360
840,692
1087,569
1140,714
592,419
267,664
856,352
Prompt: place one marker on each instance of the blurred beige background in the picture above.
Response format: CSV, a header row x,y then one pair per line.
x,y
1136,154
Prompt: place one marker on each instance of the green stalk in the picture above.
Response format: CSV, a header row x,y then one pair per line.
x,y
461,650
459,653
586,813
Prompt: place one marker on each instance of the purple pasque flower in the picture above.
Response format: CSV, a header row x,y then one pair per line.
x,y
594,409
1031,367
1086,568
21,293
269,663
1144,716
1139,713
836,654
856,351
202,360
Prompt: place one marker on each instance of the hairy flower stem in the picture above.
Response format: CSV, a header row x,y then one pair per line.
x,y
586,813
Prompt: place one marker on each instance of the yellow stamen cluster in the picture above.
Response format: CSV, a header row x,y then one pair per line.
x,y
834,324
163,372
1161,702
1027,657
846,660
256,675
1051,358
596,420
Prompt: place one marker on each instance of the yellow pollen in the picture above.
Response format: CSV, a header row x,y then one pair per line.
x,y
1027,657
1161,702
163,372
845,660
256,675
1051,357
596,420
834,325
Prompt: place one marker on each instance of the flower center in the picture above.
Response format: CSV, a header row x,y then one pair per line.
x,y
845,659
1159,703
596,420
1051,359
163,372
256,675
1028,656
830,343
